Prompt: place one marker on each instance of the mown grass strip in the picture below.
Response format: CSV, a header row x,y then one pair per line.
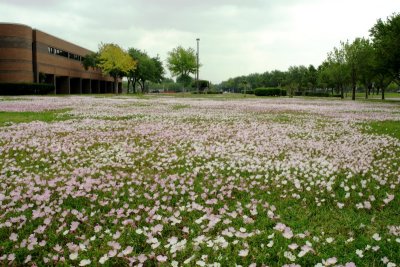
x,y
391,128
7,117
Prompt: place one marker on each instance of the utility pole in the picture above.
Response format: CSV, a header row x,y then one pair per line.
x,y
197,73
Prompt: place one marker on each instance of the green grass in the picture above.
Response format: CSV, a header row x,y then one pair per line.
x,y
119,191
206,96
371,96
6,117
391,128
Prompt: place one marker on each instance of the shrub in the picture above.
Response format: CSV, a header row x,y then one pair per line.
x,y
298,93
25,88
206,92
318,94
270,92
249,92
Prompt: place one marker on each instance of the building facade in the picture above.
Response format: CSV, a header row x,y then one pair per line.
x,y
31,56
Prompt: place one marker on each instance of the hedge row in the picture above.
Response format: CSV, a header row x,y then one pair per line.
x,y
248,92
25,88
317,94
207,93
269,92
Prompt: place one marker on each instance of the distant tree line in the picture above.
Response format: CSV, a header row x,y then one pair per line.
x,y
368,64
144,73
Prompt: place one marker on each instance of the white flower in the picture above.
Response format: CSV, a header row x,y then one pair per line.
x,y
84,262
359,253
340,205
289,255
388,199
376,237
73,256
201,263
329,240
243,252
103,259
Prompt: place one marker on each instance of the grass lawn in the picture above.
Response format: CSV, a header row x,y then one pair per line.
x,y
391,128
7,118
189,180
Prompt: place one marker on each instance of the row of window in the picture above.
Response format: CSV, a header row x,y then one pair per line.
x,y
62,53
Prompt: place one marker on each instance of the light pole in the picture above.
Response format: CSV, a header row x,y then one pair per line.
x,y
197,75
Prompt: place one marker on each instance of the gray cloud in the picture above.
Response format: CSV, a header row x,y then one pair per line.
x,y
237,37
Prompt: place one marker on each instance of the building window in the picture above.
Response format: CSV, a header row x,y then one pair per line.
x,y
75,57
63,53
60,52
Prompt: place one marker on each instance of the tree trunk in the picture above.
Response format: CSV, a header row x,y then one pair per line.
x,y
341,92
134,86
383,93
116,84
353,95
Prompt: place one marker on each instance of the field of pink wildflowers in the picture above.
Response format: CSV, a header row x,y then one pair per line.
x,y
199,182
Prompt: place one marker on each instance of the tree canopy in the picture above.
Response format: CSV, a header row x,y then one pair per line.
x,y
182,62
386,41
112,60
370,64
147,69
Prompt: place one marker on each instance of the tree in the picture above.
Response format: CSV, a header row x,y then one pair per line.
x,y
184,79
114,61
325,79
337,68
366,66
312,77
353,53
147,69
296,78
277,77
182,62
90,60
386,41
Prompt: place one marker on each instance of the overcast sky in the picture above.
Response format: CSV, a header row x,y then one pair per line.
x,y
236,37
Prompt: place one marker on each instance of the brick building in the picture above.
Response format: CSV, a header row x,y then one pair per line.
x,y
32,56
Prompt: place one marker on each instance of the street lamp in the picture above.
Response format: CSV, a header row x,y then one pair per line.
x,y
197,75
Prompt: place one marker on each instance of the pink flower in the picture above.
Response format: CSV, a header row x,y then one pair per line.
x,y
127,250
331,261
280,227
74,226
14,237
162,258
142,258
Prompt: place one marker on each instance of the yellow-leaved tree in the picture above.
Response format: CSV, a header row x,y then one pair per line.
x,y
114,61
